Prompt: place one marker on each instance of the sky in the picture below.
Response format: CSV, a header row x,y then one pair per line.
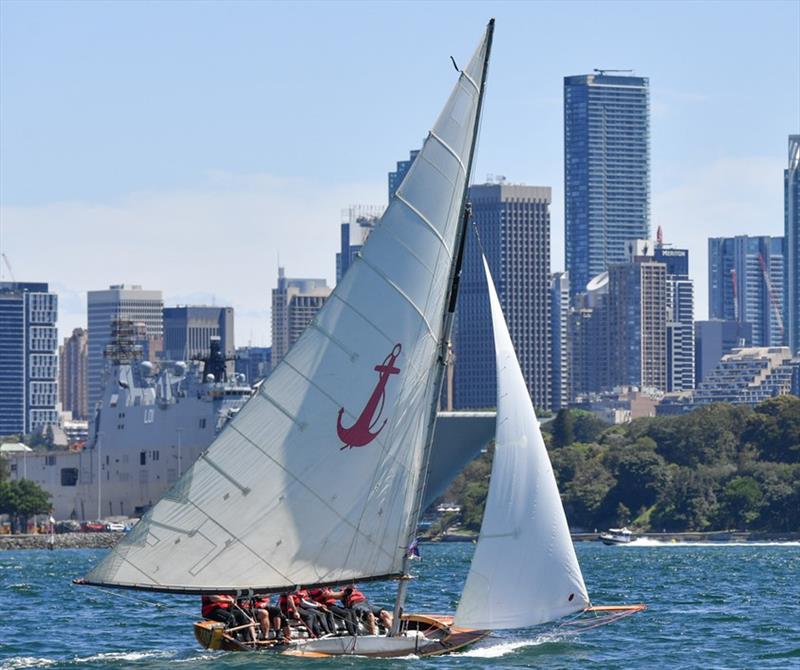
x,y
193,146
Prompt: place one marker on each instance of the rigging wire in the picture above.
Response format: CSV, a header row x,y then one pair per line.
x,y
157,605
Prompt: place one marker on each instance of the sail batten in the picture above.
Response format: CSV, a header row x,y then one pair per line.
x,y
331,451
524,571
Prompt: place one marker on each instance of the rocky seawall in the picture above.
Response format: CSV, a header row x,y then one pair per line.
x,y
61,541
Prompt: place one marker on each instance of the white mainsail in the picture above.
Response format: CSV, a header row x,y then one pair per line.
x,y
318,477
524,571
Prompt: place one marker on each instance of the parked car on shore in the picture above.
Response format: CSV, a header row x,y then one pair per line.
x,y
93,527
115,527
68,526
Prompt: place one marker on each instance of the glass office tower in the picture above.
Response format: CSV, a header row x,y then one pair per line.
x,y
606,171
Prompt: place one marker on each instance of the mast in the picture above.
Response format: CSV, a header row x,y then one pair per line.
x,y
447,317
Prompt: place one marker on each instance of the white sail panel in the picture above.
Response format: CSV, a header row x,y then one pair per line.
x,y
524,571
315,480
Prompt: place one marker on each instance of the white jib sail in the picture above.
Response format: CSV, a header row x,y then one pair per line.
x,y
524,571
315,479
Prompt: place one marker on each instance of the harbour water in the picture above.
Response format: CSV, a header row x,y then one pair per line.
x,y
710,606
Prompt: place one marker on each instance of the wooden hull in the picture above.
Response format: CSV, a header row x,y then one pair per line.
x,y
424,635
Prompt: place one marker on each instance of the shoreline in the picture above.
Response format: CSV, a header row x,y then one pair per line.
x,y
108,540
721,536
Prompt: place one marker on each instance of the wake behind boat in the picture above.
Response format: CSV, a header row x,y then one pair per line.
x,y
319,479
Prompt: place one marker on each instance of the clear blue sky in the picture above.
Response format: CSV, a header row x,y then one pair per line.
x,y
185,146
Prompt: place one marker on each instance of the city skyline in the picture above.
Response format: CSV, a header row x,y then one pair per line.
x,y
172,175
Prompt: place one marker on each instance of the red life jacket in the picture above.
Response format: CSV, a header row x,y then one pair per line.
x,y
283,602
261,603
323,596
354,597
208,605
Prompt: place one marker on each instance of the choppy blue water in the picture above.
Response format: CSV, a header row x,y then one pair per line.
x,y
718,606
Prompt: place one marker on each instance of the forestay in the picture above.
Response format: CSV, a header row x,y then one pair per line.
x,y
316,479
524,571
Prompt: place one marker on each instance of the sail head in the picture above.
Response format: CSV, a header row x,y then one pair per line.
x,y
317,478
524,571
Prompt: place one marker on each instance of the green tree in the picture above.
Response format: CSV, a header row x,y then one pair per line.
x,y
774,429
563,429
740,502
22,499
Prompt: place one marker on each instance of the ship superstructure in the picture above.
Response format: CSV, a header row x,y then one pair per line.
x,y
151,424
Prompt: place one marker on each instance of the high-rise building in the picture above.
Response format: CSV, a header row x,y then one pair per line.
x,y
680,317
791,282
745,284
28,357
188,331
637,321
119,301
254,363
714,339
559,338
295,302
396,177
357,223
514,226
72,357
589,354
606,171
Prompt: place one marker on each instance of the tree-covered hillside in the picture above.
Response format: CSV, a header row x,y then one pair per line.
x,y
719,467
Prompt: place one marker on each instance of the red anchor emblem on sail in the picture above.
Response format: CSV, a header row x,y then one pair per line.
x,y
359,434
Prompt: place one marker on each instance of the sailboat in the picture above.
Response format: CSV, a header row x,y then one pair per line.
x,y
318,480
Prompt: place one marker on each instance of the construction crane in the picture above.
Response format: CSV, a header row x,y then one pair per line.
x,y
776,306
8,265
602,73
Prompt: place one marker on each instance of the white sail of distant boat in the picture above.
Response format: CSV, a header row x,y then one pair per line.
x,y
318,478
524,571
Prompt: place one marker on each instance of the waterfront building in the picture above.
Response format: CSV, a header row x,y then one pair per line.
x,y
637,323
750,375
606,170
255,363
357,223
72,358
745,284
514,226
396,177
295,302
188,331
791,190
559,338
119,301
680,317
714,339
28,357
589,340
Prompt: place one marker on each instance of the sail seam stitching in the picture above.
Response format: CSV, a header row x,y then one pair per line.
x,y
352,355
237,538
300,424
333,400
391,341
425,220
397,240
471,81
309,489
402,293
449,149
244,489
